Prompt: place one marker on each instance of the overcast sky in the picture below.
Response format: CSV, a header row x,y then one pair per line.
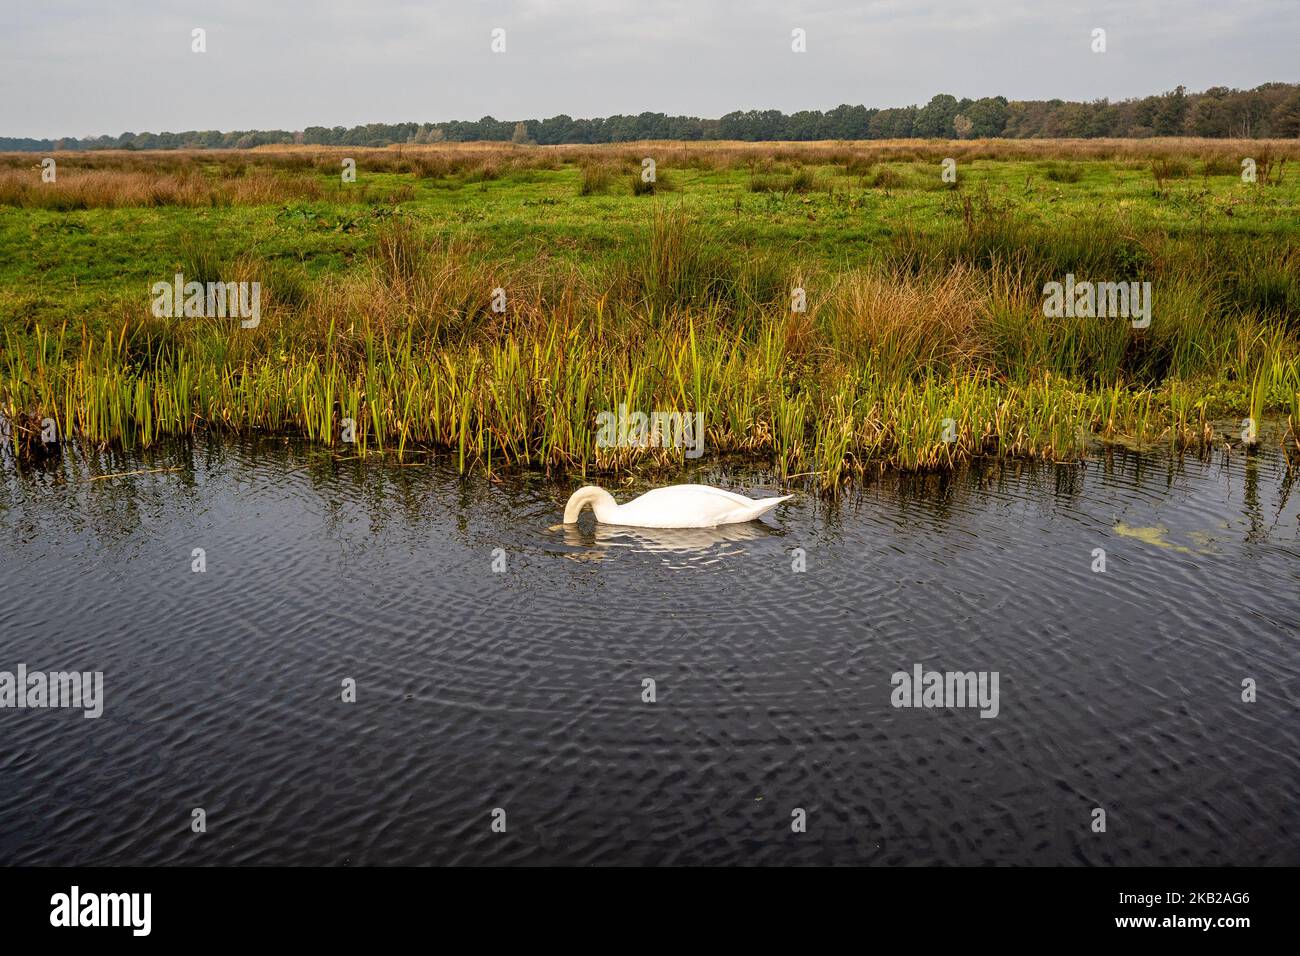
x,y
109,66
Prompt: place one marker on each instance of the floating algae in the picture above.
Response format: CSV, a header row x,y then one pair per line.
x,y
1156,536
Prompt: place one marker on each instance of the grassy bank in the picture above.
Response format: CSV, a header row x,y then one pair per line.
x,y
923,342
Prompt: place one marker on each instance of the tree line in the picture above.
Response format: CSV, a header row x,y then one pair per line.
x,y
1268,111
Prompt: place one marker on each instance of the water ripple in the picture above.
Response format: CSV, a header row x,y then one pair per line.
x,y
523,689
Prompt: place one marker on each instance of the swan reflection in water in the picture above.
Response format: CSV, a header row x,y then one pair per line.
x,y
595,541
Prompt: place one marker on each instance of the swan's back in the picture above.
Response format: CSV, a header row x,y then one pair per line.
x,y
691,506
683,494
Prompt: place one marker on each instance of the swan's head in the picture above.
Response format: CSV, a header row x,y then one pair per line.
x,y
599,499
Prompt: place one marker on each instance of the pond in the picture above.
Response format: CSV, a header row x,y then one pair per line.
x,y
314,660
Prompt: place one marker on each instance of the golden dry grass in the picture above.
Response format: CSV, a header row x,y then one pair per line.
x,y
272,174
439,158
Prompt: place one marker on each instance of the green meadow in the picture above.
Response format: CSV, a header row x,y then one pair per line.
x,y
923,342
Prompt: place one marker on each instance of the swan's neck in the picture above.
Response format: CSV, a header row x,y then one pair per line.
x,y
601,501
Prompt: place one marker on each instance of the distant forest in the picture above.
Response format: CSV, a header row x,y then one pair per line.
x,y
1268,111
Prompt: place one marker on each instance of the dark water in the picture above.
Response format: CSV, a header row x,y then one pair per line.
x,y
522,690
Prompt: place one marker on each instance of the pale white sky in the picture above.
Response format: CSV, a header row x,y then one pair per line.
x,y
88,67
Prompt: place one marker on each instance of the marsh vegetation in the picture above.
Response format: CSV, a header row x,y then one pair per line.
x,y
923,342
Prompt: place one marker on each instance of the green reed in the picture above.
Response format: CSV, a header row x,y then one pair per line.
x,y
890,367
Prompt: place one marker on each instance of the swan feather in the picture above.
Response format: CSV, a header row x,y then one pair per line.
x,y
676,506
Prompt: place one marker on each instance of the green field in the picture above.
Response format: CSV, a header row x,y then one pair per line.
x,y
924,340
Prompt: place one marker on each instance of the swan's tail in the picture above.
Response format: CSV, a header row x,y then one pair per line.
x,y
763,506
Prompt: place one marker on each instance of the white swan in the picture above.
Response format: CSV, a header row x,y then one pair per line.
x,y
677,506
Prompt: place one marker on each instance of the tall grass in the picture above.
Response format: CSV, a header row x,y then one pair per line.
x,y
75,188
596,178
122,178
917,363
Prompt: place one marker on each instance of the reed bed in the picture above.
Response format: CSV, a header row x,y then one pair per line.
x,y
273,174
902,364
91,189
447,158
